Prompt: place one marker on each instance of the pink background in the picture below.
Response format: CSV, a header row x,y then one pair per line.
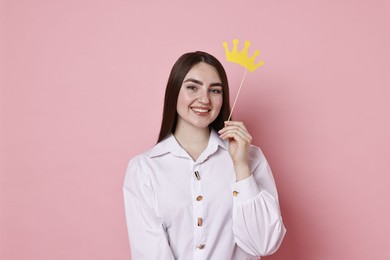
x,y
82,85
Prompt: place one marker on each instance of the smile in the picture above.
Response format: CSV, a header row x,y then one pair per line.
x,y
200,110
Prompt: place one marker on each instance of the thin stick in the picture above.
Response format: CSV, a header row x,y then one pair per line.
x,y
238,93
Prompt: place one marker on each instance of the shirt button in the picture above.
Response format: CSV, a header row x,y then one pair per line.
x,y
199,198
197,175
235,193
201,246
200,222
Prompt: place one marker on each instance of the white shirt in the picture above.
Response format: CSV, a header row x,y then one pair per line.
x,y
178,208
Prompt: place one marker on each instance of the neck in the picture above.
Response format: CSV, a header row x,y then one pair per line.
x,y
193,140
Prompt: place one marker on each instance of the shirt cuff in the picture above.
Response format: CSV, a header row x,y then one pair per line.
x,y
245,189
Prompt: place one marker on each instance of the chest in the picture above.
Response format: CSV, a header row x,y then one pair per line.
x,y
184,188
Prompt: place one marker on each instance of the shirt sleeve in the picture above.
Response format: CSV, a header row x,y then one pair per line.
x,y
257,223
147,236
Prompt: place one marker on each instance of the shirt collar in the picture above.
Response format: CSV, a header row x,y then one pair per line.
x,y
171,145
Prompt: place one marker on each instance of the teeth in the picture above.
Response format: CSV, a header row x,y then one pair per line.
x,y
200,110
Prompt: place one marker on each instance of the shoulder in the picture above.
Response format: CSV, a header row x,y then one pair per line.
x,y
137,168
139,161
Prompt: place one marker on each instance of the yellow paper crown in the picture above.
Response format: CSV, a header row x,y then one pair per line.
x,y
242,57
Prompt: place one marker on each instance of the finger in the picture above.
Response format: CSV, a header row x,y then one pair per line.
x,y
236,134
231,132
235,128
235,123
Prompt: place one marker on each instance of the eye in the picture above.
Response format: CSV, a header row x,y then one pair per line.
x,y
216,91
191,87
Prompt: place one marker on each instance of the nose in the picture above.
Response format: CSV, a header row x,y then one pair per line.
x,y
204,97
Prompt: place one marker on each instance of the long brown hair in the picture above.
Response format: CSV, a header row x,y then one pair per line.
x,y
179,70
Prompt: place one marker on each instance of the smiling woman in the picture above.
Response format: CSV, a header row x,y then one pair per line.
x,y
199,100
204,191
175,81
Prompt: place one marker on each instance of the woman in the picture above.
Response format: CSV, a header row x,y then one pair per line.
x,y
203,192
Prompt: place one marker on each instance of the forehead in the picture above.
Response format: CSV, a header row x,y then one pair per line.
x,y
203,72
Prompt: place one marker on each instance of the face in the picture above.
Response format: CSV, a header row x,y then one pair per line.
x,y
200,97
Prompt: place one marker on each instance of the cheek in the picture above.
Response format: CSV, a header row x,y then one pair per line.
x,y
182,101
218,102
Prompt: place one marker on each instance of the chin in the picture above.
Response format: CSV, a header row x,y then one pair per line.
x,y
202,125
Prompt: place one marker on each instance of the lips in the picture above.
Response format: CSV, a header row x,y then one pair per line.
x,y
201,110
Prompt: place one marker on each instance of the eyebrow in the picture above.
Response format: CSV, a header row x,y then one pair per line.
x,y
201,83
